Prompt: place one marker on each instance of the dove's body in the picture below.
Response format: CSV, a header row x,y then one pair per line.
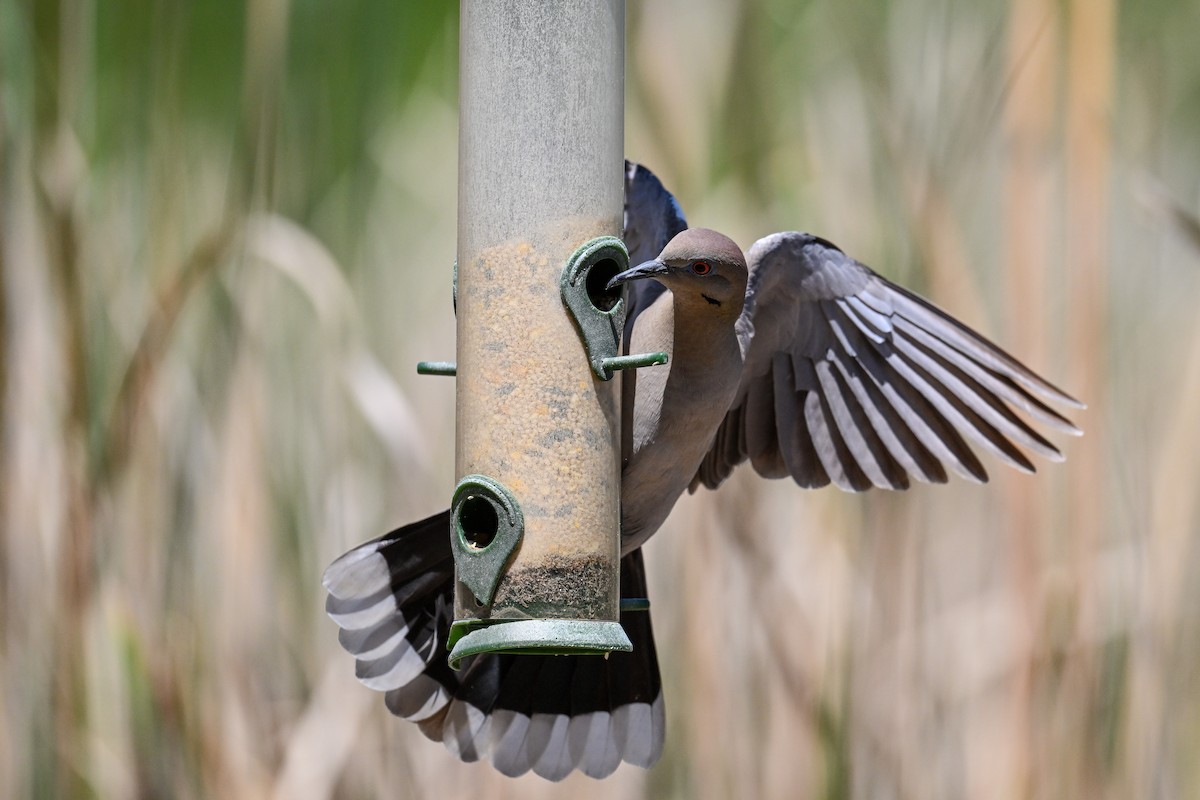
x,y
696,387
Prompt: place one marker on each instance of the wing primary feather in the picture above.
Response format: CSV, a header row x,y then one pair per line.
x,y
904,445
875,325
795,442
952,409
836,456
925,314
977,398
857,431
875,295
937,438
818,434
762,435
922,418
835,321
999,383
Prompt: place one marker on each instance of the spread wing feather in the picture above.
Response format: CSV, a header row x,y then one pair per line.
x,y
852,380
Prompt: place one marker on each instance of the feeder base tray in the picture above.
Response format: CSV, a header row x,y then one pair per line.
x,y
565,637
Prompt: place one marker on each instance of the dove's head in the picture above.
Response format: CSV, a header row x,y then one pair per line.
x,y
702,268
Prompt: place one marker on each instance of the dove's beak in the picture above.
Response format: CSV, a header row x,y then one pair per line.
x,y
649,269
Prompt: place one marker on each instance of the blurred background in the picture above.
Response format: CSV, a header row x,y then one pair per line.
x,y
226,231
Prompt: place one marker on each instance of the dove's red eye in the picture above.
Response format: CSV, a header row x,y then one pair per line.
x,y
701,267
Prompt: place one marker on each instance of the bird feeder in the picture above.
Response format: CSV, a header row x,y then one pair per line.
x,y
536,514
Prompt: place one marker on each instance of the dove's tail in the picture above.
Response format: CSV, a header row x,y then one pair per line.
x,y
393,598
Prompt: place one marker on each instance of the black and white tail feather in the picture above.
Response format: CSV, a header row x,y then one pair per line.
x,y
393,599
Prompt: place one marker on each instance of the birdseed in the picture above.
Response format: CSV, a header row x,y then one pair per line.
x,y
573,588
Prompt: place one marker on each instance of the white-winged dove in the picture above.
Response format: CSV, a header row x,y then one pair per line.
x,y
793,357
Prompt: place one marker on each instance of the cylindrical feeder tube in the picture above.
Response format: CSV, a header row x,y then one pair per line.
x,y
536,513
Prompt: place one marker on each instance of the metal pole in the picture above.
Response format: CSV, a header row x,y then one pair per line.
x,y
536,511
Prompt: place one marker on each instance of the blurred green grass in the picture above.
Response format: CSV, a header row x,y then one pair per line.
x,y
225,237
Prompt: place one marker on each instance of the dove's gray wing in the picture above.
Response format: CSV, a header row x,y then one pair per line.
x,y
652,218
851,379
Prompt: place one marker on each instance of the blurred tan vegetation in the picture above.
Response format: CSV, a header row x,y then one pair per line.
x,y
226,229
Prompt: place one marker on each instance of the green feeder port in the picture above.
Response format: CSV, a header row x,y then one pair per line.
x,y
486,529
